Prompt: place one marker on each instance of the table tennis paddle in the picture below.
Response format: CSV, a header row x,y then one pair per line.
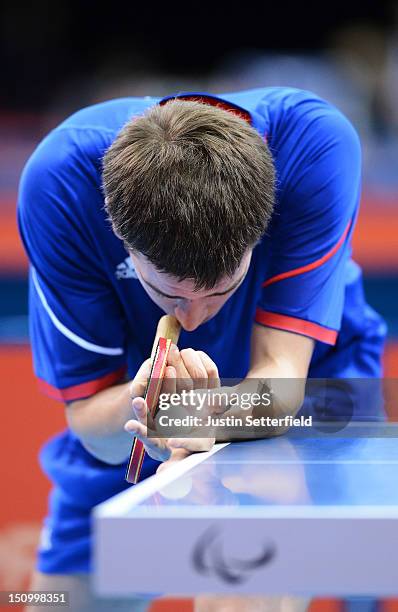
x,y
168,331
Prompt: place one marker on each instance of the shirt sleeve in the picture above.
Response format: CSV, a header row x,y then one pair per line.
x,y
77,328
309,239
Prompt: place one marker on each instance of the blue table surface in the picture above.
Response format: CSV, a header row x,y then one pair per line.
x,y
289,471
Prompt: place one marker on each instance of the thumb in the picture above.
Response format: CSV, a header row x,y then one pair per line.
x,y
138,384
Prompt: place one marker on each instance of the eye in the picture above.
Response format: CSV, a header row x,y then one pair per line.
x,y
165,297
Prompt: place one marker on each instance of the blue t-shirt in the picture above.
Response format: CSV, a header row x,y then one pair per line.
x,y
90,318
91,321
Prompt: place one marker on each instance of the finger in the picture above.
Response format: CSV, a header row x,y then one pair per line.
x,y
155,447
169,384
137,429
183,378
213,379
142,413
195,367
192,445
139,383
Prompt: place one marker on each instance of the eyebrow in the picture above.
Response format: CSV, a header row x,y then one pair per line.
x,y
179,297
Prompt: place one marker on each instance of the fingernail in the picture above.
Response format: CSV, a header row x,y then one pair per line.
x,y
137,404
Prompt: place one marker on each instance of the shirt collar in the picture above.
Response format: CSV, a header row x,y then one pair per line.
x,y
253,118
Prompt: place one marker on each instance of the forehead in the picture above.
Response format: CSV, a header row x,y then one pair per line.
x,y
183,288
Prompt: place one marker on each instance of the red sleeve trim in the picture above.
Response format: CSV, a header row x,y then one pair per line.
x,y
84,389
311,266
298,326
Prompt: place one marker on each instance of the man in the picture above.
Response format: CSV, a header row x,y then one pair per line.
x,y
234,213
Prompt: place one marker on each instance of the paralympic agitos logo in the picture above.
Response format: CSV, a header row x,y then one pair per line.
x,y
208,557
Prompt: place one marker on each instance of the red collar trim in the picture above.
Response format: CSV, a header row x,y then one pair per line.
x,y
211,101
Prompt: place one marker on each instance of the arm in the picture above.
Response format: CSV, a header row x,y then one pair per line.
x,y
98,422
276,353
279,355
282,358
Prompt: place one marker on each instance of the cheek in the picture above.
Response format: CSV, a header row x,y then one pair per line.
x,y
216,303
166,305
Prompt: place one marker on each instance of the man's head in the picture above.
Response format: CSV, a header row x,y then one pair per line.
x,y
190,190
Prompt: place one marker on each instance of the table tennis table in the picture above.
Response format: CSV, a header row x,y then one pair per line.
x,y
306,515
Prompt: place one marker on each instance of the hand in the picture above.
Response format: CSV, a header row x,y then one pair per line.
x,y
193,369
188,370
162,449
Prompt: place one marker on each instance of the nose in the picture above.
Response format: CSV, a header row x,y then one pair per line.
x,y
190,313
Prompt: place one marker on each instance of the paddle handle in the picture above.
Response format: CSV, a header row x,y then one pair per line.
x,y
168,330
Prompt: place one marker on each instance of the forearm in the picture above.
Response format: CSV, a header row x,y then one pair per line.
x,y
99,420
288,389
283,393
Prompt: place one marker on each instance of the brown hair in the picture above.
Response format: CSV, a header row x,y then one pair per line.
x,y
191,187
